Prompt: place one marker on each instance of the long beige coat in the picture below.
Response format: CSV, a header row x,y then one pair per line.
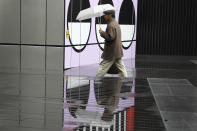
x,y
113,43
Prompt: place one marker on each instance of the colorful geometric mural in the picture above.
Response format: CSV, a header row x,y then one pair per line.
x,y
85,34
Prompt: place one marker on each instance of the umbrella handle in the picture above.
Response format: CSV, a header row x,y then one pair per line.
x,y
100,22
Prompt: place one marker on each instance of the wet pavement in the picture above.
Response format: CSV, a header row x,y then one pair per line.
x,y
158,95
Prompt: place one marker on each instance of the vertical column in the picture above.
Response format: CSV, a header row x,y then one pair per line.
x,y
119,126
125,119
114,128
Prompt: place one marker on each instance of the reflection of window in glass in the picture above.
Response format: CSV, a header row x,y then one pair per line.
x,y
79,31
127,22
101,23
75,98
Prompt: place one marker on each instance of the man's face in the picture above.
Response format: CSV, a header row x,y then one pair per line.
x,y
107,17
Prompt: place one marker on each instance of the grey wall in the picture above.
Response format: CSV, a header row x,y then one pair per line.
x,y
30,62
31,22
36,24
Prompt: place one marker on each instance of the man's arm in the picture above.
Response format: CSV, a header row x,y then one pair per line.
x,y
109,35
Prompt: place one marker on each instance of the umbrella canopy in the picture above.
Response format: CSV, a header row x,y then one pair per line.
x,y
96,11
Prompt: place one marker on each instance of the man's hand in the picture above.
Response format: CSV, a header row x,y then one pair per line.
x,y
100,31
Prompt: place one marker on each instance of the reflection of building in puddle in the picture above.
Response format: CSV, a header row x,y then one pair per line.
x,y
96,103
76,82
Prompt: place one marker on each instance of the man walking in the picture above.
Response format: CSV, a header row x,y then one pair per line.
x,y
113,52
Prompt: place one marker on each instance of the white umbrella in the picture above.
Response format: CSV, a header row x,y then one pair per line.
x,y
96,11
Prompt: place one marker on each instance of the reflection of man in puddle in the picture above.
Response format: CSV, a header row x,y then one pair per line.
x,y
107,92
108,96
113,52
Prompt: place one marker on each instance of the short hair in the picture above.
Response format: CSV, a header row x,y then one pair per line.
x,y
108,12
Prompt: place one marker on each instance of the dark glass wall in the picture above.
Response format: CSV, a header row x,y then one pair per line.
x,y
167,27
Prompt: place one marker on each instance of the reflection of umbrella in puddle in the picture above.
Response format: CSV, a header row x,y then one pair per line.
x,y
77,98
